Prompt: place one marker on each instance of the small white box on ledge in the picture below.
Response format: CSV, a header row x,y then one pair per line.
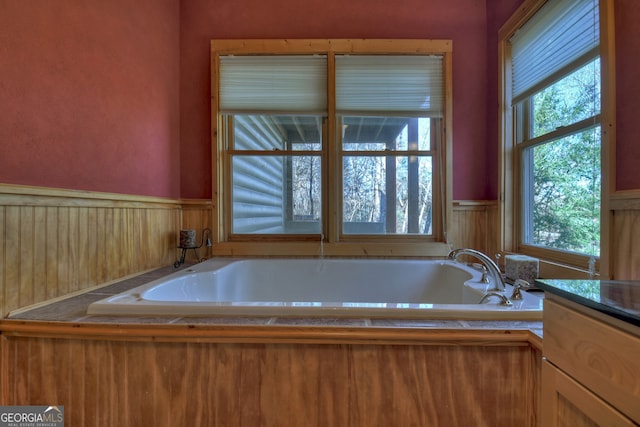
x,y
521,267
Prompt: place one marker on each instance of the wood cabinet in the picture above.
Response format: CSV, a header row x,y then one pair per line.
x,y
567,403
591,368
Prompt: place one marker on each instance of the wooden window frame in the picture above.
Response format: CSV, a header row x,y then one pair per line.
x,y
330,243
554,263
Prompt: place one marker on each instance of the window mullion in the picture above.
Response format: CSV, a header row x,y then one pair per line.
x,y
563,131
277,153
332,162
412,181
391,192
225,176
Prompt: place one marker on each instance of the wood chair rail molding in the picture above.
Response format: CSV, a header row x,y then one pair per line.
x,y
269,334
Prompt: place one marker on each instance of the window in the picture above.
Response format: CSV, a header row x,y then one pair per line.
x,y
387,106
273,107
552,129
332,140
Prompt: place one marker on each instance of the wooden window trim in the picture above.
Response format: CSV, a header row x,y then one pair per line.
x,y
331,245
564,263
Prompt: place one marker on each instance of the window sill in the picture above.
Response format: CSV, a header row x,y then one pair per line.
x,y
343,249
555,269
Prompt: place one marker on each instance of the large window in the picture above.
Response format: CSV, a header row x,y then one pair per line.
x,y
554,104
330,140
387,106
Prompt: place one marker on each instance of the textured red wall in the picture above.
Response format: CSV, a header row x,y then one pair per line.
x,y
627,94
463,21
89,95
498,12
114,95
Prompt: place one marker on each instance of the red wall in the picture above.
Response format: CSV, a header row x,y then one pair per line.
x,y
113,95
627,94
463,21
89,95
497,14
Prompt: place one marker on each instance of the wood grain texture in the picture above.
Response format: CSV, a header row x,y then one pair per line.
x,y
566,403
625,256
196,215
105,383
601,357
267,334
57,243
475,225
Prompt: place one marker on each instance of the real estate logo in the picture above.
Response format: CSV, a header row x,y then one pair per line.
x,y
31,416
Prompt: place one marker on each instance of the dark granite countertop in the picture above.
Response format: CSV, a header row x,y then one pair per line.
x,y
616,298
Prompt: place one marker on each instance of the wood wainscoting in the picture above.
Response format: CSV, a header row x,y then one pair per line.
x,y
57,242
476,225
625,235
182,375
196,214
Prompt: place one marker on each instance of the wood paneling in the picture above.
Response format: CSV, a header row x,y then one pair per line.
x,y
196,215
475,224
601,357
568,404
625,235
106,383
55,242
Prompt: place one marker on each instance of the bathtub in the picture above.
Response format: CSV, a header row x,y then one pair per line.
x,y
320,287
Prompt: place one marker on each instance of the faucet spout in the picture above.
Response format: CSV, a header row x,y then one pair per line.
x,y
492,267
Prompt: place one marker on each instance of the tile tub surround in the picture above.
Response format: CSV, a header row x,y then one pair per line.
x,y
73,309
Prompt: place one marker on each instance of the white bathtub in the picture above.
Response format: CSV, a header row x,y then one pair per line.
x,y
320,287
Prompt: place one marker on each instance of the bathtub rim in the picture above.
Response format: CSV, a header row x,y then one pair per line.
x,y
490,311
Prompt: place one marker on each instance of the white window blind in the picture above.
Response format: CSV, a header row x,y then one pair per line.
x,y
271,83
388,84
561,33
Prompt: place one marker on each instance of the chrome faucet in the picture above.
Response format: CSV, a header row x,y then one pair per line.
x,y
492,267
503,300
517,285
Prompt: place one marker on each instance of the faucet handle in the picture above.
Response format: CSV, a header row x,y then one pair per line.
x,y
485,271
485,274
517,285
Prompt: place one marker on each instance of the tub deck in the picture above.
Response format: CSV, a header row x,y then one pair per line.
x,y
236,364
72,310
370,288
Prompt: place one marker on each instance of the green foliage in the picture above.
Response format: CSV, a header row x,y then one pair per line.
x,y
566,171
